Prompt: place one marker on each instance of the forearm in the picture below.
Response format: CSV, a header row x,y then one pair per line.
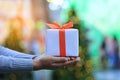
x,y
8,52
10,64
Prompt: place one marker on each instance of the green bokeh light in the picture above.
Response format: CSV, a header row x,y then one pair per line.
x,y
103,14
102,18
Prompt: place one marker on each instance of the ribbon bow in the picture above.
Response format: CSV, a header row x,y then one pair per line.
x,y
55,25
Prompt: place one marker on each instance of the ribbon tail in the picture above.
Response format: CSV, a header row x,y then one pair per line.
x,y
52,26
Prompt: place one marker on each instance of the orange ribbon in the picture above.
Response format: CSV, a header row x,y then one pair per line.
x,y
62,42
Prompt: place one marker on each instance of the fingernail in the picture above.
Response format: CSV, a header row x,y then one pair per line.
x,y
73,58
78,59
67,59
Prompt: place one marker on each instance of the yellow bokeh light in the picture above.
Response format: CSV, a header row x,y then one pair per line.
x,y
49,0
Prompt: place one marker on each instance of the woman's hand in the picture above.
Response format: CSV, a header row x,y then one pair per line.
x,y
51,62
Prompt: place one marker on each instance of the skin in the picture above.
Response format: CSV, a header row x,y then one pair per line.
x,y
51,62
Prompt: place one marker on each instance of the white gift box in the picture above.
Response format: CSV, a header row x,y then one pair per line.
x,y
53,42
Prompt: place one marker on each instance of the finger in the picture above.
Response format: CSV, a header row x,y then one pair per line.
x,y
72,58
67,63
77,59
71,62
60,59
68,58
61,65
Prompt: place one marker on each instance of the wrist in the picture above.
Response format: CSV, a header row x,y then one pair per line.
x,y
36,64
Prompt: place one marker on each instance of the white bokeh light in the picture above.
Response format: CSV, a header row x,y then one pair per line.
x,y
53,6
57,2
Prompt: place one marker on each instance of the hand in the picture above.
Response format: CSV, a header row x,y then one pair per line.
x,y
51,62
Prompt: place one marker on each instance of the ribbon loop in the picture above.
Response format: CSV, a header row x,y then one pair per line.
x,y
55,25
68,25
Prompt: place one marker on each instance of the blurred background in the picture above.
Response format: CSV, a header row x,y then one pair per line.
x,y
23,25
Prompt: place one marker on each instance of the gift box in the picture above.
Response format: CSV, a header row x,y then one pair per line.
x,y
62,41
